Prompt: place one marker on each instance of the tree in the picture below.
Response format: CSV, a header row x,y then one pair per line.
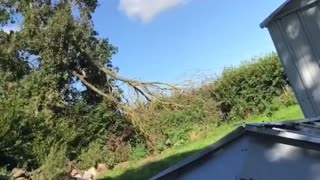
x,y
40,106
63,46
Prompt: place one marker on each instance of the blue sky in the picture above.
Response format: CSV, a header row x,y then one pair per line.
x,y
171,40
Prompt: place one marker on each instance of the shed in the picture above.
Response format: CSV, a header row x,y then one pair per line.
x,y
295,31
279,151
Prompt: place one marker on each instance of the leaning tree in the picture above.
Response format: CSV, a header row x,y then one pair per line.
x,y
54,47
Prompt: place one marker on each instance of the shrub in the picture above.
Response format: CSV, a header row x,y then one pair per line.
x,y
286,99
55,165
240,92
4,174
138,152
248,89
118,149
115,149
31,134
27,136
91,155
170,121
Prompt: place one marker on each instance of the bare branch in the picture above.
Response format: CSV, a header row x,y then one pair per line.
x,y
134,82
140,87
92,87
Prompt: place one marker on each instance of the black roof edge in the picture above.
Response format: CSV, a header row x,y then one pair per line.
x,y
284,123
283,133
301,120
273,14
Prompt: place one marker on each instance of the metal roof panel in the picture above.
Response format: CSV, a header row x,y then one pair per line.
x,y
307,131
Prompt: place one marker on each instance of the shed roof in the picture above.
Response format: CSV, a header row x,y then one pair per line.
x,y
285,9
300,132
274,14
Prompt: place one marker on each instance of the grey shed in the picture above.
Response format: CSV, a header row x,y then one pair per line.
x,y
295,31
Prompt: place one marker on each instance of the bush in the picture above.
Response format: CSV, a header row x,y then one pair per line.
x,y
55,165
249,89
286,99
32,134
139,152
4,174
113,152
170,121
27,136
240,92
91,155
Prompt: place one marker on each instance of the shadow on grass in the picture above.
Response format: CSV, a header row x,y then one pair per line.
x,y
150,169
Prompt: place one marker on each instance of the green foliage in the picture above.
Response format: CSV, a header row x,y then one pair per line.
x,y
286,99
55,165
48,121
138,152
149,167
43,114
247,90
256,87
90,156
170,121
113,152
118,150
4,174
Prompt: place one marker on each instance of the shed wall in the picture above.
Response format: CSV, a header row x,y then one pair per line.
x,y
297,38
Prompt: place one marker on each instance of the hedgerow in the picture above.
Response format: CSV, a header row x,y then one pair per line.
x,y
255,87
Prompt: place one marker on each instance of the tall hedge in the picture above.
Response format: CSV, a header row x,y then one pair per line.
x,y
240,92
249,89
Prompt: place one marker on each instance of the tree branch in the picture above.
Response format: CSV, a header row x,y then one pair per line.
x,y
93,88
140,87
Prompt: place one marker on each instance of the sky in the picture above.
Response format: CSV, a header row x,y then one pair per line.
x,y
173,40
176,40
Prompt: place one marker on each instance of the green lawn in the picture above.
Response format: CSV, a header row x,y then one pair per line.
x,y
146,168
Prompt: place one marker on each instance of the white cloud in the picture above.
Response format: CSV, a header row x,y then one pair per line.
x,y
9,28
146,10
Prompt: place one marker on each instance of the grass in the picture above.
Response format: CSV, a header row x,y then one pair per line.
x,y
150,166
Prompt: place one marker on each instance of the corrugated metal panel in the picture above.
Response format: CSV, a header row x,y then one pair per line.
x,y
311,20
291,71
297,40
304,56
